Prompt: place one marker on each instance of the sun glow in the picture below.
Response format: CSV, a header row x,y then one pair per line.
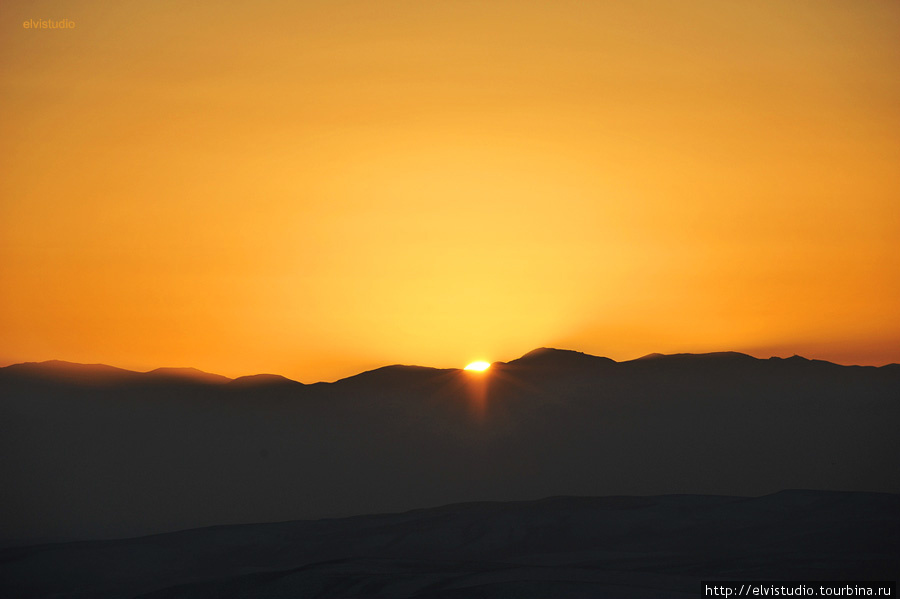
x,y
478,366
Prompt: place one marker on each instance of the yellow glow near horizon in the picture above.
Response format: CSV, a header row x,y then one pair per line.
x,y
478,366
311,188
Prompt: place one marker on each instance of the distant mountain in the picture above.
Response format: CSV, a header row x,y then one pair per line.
x,y
394,377
544,360
719,355
265,380
91,451
548,357
58,371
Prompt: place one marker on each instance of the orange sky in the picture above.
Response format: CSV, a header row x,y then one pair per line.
x,y
318,188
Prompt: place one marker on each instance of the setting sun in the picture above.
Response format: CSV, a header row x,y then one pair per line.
x,y
478,366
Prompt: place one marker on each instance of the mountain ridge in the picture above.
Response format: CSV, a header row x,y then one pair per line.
x,y
544,357
138,454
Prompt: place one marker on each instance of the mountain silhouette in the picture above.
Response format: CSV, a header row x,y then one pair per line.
x,y
92,451
59,371
548,357
265,380
562,547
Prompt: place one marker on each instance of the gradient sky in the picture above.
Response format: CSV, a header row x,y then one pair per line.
x,y
318,188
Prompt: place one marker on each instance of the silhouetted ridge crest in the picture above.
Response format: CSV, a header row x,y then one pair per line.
x,y
795,359
548,357
544,361
60,371
394,375
265,380
721,356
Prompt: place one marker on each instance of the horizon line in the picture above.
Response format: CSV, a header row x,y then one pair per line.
x,y
272,374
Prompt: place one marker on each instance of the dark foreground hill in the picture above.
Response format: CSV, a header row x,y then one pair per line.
x,y
93,452
563,547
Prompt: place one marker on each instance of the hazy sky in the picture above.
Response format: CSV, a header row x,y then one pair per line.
x,y
318,188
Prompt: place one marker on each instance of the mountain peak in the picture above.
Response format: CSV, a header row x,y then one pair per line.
x,y
256,380
393,374
61,371
556,358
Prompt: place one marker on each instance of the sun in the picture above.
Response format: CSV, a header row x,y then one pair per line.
x,y
478,366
